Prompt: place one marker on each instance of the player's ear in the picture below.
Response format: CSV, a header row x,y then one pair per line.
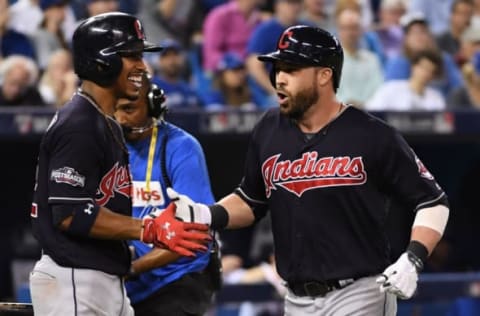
x,y
324,75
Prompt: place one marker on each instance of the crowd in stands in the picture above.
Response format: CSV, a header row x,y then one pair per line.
x,y
427,52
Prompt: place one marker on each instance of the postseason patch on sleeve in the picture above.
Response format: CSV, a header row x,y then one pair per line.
x,y
69,176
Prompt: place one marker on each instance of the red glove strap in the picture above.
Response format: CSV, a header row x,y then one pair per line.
x,y
148,233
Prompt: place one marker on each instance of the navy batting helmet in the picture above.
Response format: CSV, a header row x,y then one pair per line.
x,y
99,41
309,46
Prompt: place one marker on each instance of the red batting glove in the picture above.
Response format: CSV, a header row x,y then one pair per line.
x,y
166,231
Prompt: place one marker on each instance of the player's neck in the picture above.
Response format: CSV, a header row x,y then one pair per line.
x,y
102,97
320,115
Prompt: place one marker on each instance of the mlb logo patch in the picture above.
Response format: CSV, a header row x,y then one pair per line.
x,y
69,176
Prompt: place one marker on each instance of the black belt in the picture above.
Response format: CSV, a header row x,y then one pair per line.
x,y
318,288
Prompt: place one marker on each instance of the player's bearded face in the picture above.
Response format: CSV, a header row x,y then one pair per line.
x,y
297,104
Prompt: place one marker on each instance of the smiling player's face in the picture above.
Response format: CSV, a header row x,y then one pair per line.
x,y
129,81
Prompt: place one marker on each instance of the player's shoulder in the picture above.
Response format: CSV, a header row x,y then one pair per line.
x,y
270,117
271,114
76,116
368,122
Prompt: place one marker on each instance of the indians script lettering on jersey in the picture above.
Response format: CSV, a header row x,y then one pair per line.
x,y
310,172
115,180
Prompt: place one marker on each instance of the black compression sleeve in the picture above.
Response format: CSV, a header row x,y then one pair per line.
x,y
219,217
417,253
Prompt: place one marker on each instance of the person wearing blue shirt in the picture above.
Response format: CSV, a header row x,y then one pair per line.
x,y
163,155
417,37
179,93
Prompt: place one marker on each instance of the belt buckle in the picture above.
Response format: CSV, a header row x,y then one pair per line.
x,y
313,288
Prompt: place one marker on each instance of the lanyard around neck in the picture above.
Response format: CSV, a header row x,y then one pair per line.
x,y
151,154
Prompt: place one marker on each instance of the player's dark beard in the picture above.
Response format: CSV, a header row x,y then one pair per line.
x,y
301,102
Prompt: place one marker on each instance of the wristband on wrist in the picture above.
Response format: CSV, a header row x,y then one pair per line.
x,y
417,254
219,216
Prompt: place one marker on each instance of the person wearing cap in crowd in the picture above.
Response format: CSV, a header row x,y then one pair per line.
x,y
171,70
230,88
417,37
468,96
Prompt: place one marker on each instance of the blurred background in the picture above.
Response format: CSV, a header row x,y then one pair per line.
x,y
413,63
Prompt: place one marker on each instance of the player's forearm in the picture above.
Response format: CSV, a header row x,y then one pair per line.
x,y
239,213
154,259
111,225
426,236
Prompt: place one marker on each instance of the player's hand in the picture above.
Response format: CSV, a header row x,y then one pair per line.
x,y
400,278
187,210
166,231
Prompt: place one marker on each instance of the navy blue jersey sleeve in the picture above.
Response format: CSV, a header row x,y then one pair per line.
x,y
405,176
74,169
252,187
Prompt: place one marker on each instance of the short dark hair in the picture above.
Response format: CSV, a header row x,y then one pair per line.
x,y
433,56
456,3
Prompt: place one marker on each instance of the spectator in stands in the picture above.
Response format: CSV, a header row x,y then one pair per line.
x,y
315,13
181,20
25,16
221,30
86,8
468,96
18,77
469,44
264,40
58,82
49,36
364,8
229,86
389,31
436,12
449,41
413,94
95,7
11,41
171,62
368,40
417,37
362,71
476,14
